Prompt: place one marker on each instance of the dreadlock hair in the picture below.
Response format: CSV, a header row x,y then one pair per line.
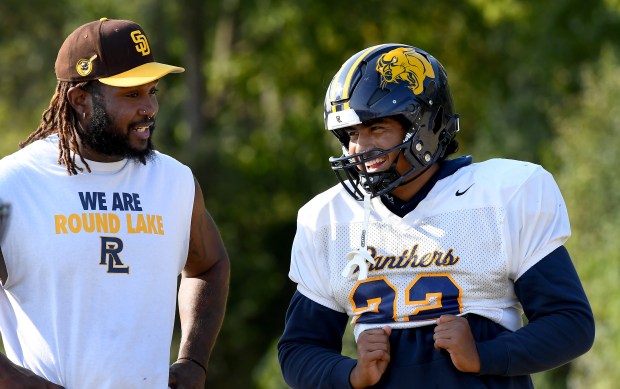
x,y
60,118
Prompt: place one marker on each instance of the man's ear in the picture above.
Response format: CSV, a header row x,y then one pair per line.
x,y
80,100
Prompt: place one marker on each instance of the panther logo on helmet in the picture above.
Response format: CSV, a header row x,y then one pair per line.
x,y
405,64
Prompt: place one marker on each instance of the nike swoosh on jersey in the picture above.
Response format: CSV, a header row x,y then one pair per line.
x,y
459,193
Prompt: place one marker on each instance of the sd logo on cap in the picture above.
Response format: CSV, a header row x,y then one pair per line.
x,y
115,52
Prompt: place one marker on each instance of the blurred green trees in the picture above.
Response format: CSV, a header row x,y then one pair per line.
x,y
532,80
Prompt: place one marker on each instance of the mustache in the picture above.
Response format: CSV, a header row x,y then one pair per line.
x,y
148,122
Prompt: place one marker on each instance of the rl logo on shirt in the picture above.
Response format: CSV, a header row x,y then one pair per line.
x,y
126,216
110,249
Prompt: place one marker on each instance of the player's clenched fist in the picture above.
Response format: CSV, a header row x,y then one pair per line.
x,y
373,356
454,335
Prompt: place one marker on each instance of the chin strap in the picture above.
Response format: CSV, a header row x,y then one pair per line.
x,y
360,259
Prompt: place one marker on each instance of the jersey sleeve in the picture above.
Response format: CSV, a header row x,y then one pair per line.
x,y
536,222
308,270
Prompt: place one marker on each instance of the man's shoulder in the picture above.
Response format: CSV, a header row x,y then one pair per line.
x,y
333,194
332,202
503,172
493,182
166,161
159,155
500,166
34,154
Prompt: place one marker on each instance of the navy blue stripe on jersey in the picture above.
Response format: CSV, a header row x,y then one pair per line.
x,y
561,327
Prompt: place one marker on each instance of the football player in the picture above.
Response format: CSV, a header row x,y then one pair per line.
x,y
433,261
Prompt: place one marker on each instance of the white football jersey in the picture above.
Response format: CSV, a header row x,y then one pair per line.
x,y
459,251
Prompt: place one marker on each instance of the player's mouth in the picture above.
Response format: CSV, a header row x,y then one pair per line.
x,y
375,164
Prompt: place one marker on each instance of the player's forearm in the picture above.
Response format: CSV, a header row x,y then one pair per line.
x,y
202,304
561,324
305,366
542,345
309,349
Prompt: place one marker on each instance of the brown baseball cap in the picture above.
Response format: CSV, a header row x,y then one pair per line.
x,y
115,52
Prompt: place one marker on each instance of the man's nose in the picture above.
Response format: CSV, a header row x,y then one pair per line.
x,y
364,142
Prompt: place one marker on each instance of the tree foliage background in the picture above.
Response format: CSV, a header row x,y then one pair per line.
x,y
538,81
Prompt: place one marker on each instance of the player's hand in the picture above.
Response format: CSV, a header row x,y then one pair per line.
x,y
18,377
454,335
373,356
186,374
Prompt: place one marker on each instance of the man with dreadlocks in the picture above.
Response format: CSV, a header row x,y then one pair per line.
x,y
101,227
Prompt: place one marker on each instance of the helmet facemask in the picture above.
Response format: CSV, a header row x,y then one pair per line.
x,y
350,169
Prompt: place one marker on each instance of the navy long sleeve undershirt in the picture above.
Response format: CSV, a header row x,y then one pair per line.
x,y
560,328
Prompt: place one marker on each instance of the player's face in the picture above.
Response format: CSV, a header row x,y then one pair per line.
x,y
121,124
383,133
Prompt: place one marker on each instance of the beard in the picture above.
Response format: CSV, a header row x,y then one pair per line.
x,y
103,136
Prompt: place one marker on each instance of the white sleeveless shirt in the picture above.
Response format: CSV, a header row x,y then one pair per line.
x,y
93,261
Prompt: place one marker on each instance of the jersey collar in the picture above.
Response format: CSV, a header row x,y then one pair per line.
x,y
446,168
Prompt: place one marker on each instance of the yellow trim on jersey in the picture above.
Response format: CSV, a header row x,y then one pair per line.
x,y
372,305
426,304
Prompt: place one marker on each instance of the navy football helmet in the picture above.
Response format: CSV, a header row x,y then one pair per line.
x,y
394,80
